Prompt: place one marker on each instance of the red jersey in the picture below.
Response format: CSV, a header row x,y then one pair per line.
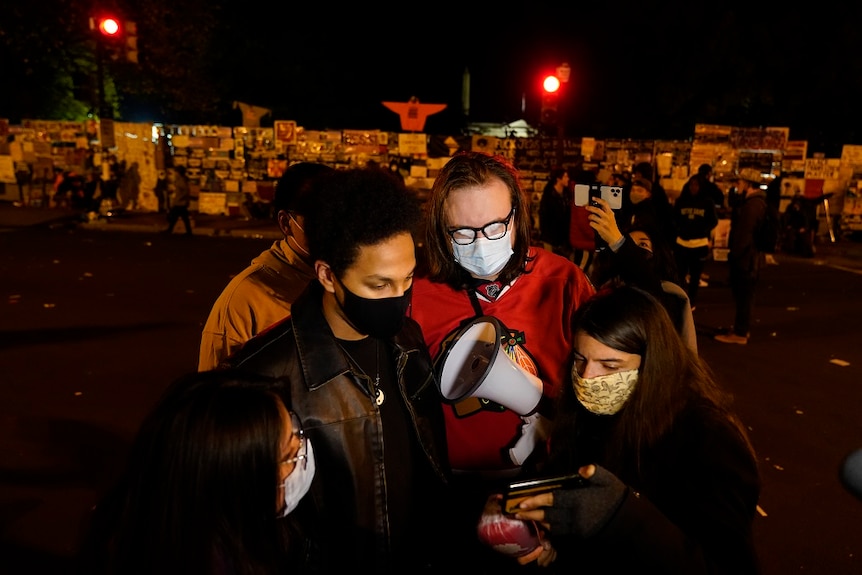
x,y
538,308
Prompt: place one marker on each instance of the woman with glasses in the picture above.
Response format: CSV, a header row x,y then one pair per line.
x,y
480,261
214,468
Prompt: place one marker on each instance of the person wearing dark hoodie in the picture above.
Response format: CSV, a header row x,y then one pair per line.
x,y
694,218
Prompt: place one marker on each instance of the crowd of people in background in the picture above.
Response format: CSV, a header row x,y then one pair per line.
x,y
316,436
684,225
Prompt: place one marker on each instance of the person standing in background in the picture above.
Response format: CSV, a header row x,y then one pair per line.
x,y
179,198
710,189
130,186
554,214
160,190
694,218
744,258
650,205
263,292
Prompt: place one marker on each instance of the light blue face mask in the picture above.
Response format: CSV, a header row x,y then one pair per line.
x,y
484,258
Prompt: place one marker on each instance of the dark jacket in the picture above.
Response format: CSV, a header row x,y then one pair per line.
x,y
351,511
748,216
690,510
694,216
554,216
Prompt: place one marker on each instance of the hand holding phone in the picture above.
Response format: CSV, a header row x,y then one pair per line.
x,y
521,490
613,195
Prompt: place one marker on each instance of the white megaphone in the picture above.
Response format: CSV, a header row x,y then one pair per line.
x,y
474,364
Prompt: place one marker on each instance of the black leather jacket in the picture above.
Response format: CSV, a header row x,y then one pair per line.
x,y
336,404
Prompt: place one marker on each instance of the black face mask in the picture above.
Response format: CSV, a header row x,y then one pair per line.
x,y
380,318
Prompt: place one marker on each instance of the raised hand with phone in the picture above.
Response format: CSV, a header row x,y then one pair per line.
x,y
604,203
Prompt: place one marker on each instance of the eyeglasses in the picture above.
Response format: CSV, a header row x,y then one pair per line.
x,y
492,231
301,455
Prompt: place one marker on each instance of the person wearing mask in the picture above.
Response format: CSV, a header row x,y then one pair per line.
x,y
179,198
362,381
672,480
263,292
554,216
215,468
480,262
744,259
650,209
694,220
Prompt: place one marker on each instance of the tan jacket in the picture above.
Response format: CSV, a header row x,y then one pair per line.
x,y
253,300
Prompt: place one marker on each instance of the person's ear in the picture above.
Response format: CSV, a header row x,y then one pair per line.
x,y
282,218
325,275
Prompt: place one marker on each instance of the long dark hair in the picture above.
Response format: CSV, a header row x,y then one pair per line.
x,y
466,169
671,378
199,492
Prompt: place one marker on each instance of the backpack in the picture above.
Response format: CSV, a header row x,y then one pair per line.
x,y
766,235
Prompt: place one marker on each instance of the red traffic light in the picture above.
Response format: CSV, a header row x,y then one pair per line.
x,y
109,26
550,84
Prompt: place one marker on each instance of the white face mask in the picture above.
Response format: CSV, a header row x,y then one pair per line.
x,y
604,394
297,484
484,258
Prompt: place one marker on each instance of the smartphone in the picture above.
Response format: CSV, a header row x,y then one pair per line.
x,y
613,195
520,490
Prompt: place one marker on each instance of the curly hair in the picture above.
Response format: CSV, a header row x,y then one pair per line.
x,y
355,208
466,169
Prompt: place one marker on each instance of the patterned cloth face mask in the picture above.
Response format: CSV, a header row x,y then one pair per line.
x,y
604,394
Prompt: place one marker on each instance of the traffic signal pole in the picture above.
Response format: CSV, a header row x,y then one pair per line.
x,y
104,111
550,114
106,29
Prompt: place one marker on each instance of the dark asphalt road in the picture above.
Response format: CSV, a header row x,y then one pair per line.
x,y
95,323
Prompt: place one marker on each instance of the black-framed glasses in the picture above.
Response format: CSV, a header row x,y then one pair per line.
x,y
301,455
493,231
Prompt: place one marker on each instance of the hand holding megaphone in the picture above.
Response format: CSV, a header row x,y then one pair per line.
x,y
533,432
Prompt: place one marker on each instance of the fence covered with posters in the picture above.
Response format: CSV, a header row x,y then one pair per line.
x,y
229,167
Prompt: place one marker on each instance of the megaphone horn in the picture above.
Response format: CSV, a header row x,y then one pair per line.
x,y
475,364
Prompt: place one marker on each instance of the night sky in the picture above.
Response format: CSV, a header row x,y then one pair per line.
x,y
640,70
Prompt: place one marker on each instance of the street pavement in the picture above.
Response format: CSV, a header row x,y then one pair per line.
x,y
94,322
13,216
843,253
